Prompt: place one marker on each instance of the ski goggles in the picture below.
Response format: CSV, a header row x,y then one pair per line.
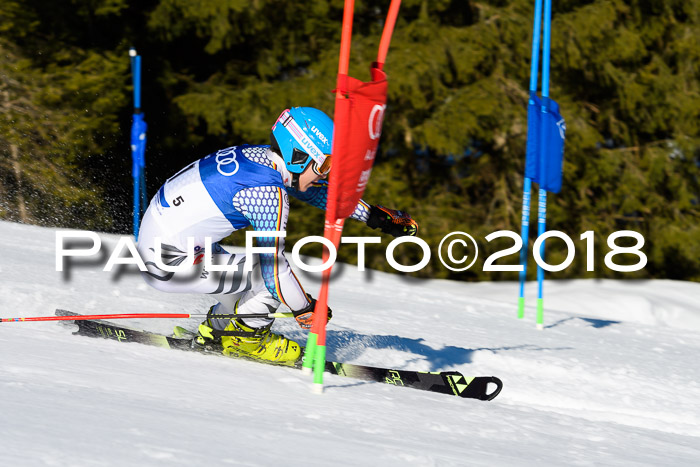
x,y
323,169
300,157
322,162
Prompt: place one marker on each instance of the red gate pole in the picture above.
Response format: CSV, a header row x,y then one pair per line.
x,y
316,343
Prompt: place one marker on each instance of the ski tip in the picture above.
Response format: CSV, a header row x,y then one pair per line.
x,y
488,396
317,388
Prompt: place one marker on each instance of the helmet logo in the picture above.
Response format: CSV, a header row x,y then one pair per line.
x,y
319,135
310,147
376,117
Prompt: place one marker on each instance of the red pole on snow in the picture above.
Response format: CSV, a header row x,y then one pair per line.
x,y
84,317
138,316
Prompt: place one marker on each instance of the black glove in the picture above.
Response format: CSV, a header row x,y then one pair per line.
x,y
395,223
305,316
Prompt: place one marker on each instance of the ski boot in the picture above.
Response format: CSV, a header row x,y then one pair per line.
x,y
240,340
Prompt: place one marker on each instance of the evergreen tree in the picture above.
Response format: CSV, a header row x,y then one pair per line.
x,y
58,109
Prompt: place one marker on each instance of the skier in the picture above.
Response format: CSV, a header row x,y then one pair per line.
x,y
232,189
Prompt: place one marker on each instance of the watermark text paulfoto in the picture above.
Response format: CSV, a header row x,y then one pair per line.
x,y
462,260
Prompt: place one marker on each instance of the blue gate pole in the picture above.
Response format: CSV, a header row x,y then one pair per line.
x,y
135,167
142,178
138,142
542,199
142,139
527,183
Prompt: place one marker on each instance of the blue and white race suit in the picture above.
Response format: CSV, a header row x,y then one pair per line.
x,y
223,192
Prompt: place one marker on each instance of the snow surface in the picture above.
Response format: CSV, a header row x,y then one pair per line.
x,y
613,379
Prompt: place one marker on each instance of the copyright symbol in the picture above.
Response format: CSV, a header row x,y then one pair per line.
x,y
460,239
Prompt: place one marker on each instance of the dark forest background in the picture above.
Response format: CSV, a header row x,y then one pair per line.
x,y
217,73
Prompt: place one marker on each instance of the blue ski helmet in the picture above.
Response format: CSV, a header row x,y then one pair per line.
x,y
302,135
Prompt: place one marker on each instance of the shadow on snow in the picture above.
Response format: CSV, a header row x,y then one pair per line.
x,y
349,346
596,323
